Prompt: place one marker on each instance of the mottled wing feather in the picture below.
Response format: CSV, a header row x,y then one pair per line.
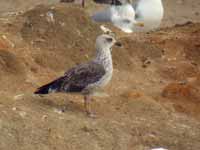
x,y
79,77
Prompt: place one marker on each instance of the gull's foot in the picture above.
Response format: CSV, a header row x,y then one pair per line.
x,y
91,115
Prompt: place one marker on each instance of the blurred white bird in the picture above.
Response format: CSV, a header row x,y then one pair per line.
x,y
149,12
122,16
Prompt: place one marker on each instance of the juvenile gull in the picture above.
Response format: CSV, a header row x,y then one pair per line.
x,y
122,16
88,77
149,12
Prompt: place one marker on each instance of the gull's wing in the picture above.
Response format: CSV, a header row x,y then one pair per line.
x,y
79,77
74,80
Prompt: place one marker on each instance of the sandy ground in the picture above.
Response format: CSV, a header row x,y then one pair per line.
x,y
152,101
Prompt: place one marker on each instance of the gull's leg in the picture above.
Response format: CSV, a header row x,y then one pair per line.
x,y
87,101
83,3
87,104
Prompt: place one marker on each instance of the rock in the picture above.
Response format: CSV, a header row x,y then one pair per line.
x,y
174,90
192,79
3,44
133,94
18,97
22,114
14,108
44,117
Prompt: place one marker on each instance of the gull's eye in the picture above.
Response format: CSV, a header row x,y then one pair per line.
x,y
109,40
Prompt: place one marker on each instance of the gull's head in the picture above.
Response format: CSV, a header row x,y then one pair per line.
x,y
105,42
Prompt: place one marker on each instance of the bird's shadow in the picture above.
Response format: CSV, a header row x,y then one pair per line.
x,y
62,105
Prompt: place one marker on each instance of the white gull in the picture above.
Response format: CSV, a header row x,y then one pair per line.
x,y
149,12
122,16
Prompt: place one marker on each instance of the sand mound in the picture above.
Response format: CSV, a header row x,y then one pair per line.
x,y
59,35
19,5
54,27
10,64
12,71
156,76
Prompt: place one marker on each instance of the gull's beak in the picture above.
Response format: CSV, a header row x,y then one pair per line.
x,y
139,24
118,44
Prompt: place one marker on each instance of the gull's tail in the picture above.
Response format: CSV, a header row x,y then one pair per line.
x,y
51,87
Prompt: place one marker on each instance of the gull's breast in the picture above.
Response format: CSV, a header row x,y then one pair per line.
x,y
150,10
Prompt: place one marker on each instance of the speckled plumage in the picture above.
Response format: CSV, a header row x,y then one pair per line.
x,y
80,77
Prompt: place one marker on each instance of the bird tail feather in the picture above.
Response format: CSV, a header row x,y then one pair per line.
x,y
53,86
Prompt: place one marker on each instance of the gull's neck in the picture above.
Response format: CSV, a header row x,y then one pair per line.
x,y
104,58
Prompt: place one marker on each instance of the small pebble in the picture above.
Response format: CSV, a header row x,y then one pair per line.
x,y
22,114
44,117
17,97
14,108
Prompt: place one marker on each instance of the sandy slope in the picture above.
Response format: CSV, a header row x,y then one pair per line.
x,y
153,98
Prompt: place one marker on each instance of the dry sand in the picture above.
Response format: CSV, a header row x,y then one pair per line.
x,y
153,99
